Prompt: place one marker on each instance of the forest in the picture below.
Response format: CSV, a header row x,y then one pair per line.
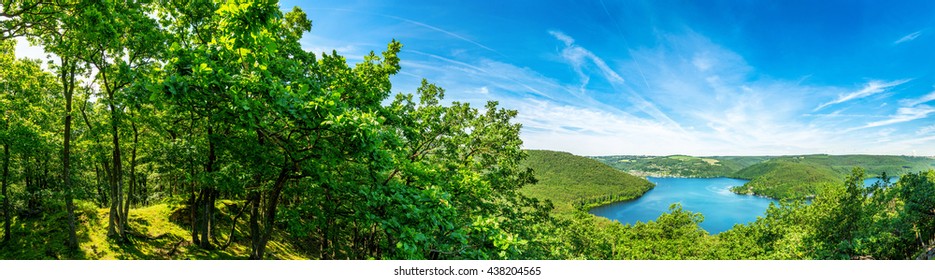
x,y
203,130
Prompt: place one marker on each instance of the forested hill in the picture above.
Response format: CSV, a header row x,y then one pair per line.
x,y
773,176
786,179
802,176
679,165
572,181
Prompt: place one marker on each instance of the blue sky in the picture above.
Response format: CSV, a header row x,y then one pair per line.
x,y
666,77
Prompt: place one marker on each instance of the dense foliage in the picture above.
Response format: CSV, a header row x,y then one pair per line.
x,y
214,110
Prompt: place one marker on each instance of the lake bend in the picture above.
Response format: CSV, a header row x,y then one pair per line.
x,y
709,196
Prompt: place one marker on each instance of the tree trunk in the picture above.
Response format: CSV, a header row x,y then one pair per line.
x,y
101,192
32,185
255,252
116,182
69,85
193,203
112,221
209,194
261,237
6,197
130,191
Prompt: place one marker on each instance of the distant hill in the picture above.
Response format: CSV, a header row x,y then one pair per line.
x,y
571,181
801,176
772,176
874,165
679,165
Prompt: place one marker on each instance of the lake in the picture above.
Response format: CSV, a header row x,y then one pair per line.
x,y
709,196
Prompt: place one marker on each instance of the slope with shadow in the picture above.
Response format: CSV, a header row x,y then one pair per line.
x,y
575,182
785,179
155,232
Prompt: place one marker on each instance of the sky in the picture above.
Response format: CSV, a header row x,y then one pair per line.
x,y
666,77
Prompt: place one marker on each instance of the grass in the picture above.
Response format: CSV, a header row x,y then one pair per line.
x,y
156,232
573,182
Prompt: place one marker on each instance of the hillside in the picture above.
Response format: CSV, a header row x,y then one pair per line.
x,y
801,176
776,177
571,181
679,165
156,232
873,164
783,179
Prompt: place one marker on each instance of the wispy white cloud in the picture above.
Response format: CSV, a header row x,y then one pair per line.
x,y
580,58
497,74
871,88
911,109
908,37
903,114
925,130
562,37
449,33
916,101
421,24
590,131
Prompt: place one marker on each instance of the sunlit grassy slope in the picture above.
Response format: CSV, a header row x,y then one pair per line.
x,y
571,181
157,232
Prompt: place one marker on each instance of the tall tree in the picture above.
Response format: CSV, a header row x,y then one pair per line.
x,y
25,95
102,27
58,41
6,109
42,21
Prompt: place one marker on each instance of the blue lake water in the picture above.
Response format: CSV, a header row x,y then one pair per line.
x,y
869,182
709,196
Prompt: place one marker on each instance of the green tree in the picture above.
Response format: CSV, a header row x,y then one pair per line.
x,y
101,28
917,191
25,98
